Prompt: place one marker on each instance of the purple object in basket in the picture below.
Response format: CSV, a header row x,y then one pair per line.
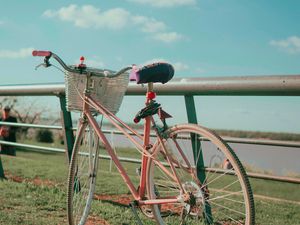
x,y
133,73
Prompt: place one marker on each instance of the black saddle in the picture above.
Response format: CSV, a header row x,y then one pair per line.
x,y
156,72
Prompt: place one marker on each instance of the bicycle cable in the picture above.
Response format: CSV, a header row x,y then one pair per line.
x,y
58,68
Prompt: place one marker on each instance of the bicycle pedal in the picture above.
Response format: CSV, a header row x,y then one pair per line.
x,y
133,207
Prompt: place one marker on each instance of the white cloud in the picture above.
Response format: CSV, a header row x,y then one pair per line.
x,y
179,66
88,16
95,62
149,25
168,37
17,54
1,22
290,44
165,3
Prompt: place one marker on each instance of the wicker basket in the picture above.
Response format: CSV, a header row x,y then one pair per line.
x,y
108,91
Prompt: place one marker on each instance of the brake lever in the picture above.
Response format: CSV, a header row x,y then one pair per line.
x,y
43,64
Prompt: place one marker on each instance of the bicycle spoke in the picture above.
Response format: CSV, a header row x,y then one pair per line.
x,y
229,194
232,210
82,176
232,219
221,190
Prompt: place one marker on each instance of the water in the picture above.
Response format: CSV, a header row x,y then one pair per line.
x,y
274,159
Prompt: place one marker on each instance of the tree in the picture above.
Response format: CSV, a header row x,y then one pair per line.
x,y
25,111
44,135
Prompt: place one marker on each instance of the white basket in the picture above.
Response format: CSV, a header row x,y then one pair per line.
x,y
108,91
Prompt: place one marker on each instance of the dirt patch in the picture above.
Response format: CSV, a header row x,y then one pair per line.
x,y
15,178
36,181
39,182
124,199
93,220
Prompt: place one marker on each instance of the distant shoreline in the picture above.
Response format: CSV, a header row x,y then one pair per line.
x,y
280,136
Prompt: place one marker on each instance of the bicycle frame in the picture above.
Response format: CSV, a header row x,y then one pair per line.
x,y
138,195
145,148
185,189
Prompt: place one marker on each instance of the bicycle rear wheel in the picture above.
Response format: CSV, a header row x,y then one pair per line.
x,y
82,175
211,185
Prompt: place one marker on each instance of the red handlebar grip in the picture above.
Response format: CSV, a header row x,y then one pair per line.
x,y
41,53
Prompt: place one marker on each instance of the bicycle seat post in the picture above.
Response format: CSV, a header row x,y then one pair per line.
x,y
150,87
149,91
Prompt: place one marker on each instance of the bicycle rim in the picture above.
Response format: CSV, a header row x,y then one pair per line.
x,y
82,175
213,187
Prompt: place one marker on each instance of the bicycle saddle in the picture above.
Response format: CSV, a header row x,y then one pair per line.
x,y
156,72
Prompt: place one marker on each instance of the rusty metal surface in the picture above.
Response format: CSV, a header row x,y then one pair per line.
x,y
285,85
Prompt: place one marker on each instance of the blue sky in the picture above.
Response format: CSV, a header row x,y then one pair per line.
x,y
202,38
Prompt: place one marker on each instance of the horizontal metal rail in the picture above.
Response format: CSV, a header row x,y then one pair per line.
x,y
285,85
294,144
36,147
259,176
28,125
33,90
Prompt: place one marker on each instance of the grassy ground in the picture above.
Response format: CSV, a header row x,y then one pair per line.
x,y
35,193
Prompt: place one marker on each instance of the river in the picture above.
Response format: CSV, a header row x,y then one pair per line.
x,y
274,159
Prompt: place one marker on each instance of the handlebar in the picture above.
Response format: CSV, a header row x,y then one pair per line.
x,y
82,69
41,53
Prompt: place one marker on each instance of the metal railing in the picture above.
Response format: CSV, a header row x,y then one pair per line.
x,y
285,85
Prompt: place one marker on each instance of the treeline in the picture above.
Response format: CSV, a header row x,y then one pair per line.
x,y
260,135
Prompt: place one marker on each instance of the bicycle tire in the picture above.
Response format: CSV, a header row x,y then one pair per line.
x,y
217,199
82,175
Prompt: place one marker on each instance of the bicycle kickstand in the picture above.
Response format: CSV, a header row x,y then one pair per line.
x,y
133,209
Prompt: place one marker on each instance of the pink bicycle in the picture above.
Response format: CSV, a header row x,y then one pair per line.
x,y
178,184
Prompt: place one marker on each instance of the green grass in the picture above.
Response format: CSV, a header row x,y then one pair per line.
x,y
28,203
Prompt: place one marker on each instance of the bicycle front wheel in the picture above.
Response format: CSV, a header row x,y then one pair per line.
x,y
82,175
205,176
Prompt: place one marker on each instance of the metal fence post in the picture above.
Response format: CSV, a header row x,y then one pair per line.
x,y
1,170
67,126
192,118
190,109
